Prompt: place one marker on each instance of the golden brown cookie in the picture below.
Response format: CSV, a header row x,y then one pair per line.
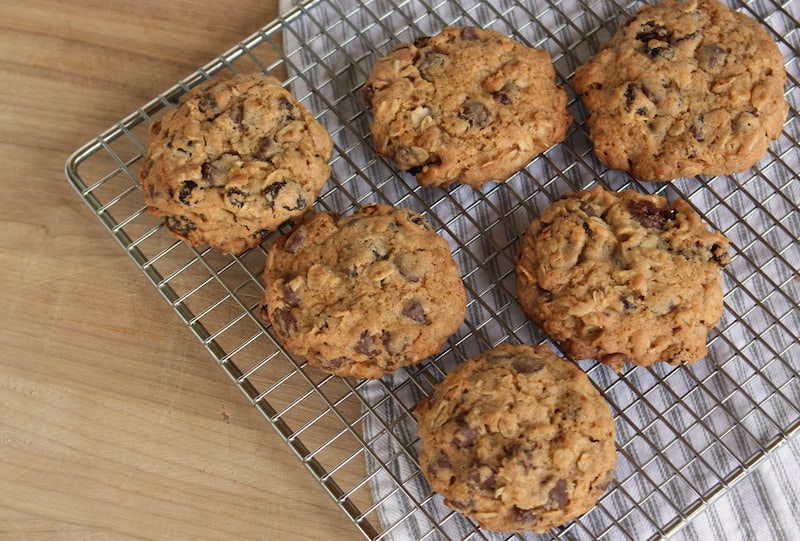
x,y
518,439
623,277
467,105
365,294
685,87
233,160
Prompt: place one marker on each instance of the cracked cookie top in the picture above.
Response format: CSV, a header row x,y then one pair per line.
x,y
365,294
233,160
518,439
684,87
623,277
466,105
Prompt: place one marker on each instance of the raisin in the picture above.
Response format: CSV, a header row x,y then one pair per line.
x,y
627,305
180,224
271,192
476,113
186,191
630,95
236,197
501,97
238,118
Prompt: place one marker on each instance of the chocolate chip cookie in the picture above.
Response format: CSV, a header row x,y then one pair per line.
x,y
685,87
466,105
518,439
623,277
233,160
365,294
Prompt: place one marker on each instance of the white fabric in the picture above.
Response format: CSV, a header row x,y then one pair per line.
x,y
764,504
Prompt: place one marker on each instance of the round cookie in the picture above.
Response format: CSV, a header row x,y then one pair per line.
x,y
233,160
518,439
363,295
622,277
467,105
684,87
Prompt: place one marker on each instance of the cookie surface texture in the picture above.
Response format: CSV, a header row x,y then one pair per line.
x,y
684,88
365,294
623,277
233,160
518,439
467,105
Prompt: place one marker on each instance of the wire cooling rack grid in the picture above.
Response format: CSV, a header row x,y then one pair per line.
x,y
684,434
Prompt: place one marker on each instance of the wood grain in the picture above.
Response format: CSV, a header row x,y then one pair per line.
x,y
114,422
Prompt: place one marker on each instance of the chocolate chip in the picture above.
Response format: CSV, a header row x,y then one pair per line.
x,y
720,254
421,41
286,322
288,107
180,224
465,436
652,31
588,209
558,494
186,191
414,310
483,483
366,344
207,102
468,34
295,241
524,516
652,96
710,56
476,113
648,214
238,117
289,296
527,365
430,60
267,148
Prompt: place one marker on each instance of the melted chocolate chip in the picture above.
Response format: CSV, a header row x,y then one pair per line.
x,y
295,241
429,61
588,209
648,214
476,113
238,117
710,56
476,479
414,310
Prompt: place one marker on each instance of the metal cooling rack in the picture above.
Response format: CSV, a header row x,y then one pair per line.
x,y
685,435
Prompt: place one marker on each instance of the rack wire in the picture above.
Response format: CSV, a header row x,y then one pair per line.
x,y
685,435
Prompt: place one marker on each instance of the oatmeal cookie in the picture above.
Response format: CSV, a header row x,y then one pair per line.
x,y
233,160
684,87
518,439
365,294
466,105
623,277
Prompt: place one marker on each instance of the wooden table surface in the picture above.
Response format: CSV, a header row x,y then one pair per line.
x,y
115,423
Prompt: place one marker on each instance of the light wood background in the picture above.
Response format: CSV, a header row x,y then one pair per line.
x,y
114,422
